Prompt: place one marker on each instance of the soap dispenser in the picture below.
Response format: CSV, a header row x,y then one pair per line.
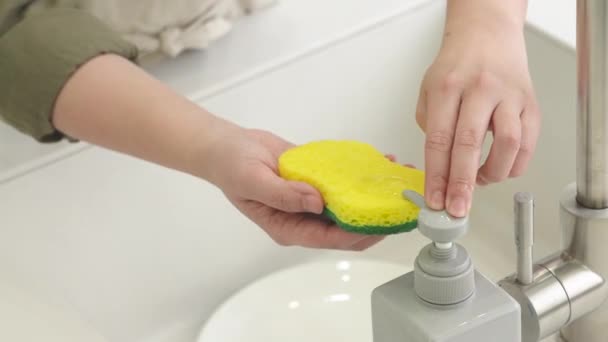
x,y
444,299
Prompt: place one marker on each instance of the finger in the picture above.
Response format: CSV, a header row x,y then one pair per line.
x,y
304,230
530,130
268,188
507,137
442,105
367,243
421,109
475,113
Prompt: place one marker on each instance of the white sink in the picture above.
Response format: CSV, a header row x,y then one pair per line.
x,y
322,301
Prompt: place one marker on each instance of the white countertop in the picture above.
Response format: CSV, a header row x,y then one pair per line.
x,y
27,316
272,38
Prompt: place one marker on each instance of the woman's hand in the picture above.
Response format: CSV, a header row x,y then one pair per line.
x,y
244,166
478,82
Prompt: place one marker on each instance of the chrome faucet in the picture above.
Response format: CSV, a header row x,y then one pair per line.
x,y
565,294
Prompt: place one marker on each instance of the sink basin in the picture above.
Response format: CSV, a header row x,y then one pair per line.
x,y
326,300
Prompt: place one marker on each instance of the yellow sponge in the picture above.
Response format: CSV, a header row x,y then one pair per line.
x,y
362,189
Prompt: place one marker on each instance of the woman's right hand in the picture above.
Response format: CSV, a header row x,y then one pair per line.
x,y
479,82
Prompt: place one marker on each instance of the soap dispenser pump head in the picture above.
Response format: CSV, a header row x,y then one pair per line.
x,y
437,225
443,270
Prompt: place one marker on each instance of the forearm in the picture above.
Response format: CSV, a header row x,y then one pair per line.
x,y
494,15
112,103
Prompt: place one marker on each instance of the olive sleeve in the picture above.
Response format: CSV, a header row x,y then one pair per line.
x,y
39,54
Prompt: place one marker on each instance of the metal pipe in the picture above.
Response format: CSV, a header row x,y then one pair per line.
x,y
524,235
592,122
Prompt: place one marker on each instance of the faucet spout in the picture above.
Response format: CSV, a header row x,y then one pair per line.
x,y
592,119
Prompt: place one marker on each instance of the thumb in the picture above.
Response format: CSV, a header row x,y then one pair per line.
x,y
288,196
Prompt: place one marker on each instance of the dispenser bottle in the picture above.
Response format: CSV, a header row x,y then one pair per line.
x,y
444,299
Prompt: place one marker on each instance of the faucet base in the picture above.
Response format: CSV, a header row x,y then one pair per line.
x,y
562,290
585,238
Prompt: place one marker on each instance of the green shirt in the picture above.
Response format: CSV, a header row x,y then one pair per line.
x,y
38,54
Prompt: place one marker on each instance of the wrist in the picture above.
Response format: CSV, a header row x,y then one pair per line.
x,y
493,18
211,147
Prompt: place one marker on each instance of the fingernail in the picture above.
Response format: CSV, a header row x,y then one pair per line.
x,y
313,204
481,181
457,207
437,200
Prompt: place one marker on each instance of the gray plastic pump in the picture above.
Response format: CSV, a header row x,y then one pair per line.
x,y
443,271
